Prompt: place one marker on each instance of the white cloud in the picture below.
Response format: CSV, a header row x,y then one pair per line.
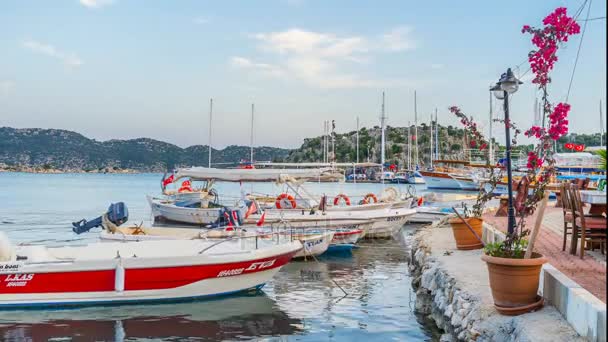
x,y
244,63
317,58
95,3
69,59
6,86
398,39
437,66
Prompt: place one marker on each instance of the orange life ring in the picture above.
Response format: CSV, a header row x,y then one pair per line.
x,y
341,196
368,196
282,197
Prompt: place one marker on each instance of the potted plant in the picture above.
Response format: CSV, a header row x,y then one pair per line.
x,y
461,226
513,267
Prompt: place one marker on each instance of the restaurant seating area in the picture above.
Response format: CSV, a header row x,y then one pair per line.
x,y
586,225
572,234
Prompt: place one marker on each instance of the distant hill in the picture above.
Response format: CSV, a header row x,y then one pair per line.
x,y
451,142
66,150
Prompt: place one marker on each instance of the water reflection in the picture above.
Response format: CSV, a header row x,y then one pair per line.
x,y
241,317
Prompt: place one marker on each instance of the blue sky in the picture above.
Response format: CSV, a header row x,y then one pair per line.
x,y
126,68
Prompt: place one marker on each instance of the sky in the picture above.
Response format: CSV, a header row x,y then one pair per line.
x,y
121,69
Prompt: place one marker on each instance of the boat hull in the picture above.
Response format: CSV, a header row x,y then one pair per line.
x,y
166,210
437,180
132,279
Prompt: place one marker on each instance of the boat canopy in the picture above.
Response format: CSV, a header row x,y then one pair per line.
x,y
319,165
577,160
256,175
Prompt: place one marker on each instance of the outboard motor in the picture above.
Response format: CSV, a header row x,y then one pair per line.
x,y
117,213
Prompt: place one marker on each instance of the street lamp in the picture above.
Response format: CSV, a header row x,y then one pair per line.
x,y
508,84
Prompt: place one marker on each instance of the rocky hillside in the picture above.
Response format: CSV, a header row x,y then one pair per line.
x,y
451,142
66,150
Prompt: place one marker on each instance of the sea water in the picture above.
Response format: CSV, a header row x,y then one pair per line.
x,y
363,295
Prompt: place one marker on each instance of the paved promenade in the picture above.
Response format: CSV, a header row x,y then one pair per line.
x,y
589,273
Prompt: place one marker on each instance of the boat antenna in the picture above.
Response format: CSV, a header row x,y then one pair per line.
x,y
210,129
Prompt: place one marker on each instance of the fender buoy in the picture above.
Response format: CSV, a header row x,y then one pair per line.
x,y
368,196
288,198
420,201
186,186
341,196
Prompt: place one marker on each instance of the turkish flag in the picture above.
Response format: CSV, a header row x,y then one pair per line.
x,y
168,180
579,148
261,221
569,146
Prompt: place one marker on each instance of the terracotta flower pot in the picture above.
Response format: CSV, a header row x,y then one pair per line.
x,y
514,283
465,239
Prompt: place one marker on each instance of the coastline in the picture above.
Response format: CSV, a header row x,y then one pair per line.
x,y
65,171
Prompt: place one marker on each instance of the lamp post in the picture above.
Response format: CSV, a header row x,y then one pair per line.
x,y
508,84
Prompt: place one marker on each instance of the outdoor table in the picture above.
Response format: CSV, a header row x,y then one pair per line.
x,y
597,199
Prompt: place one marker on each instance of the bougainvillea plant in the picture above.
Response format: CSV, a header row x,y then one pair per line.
x,y
557,28
493,173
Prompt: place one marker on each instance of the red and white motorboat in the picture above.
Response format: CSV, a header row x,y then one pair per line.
x,y
136,272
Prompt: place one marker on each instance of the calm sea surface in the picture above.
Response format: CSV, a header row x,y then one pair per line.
x,y
303,301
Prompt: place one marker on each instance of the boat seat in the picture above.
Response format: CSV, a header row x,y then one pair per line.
x,y
35,254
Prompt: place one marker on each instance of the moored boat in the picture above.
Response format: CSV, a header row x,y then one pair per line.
x,y
136,272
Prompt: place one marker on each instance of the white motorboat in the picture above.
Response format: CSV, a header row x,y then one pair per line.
x,y
385,222
206,209
136,272
430,214
194,214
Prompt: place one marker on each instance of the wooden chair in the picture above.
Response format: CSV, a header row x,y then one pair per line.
x,y
567,209
590,229
522,188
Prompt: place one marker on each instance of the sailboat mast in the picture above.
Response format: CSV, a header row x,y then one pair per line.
x,y
210,129
601,126
383,128
251,137
324,141
436,135
415,131
431,131
409,149
357,139
491,149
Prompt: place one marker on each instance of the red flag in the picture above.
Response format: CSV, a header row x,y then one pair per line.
x,y
579,148
569,146
261,221
252,209
168,180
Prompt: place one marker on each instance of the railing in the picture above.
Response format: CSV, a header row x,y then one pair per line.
x,y
257,236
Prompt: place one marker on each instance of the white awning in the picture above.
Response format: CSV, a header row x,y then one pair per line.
x,y
256,175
